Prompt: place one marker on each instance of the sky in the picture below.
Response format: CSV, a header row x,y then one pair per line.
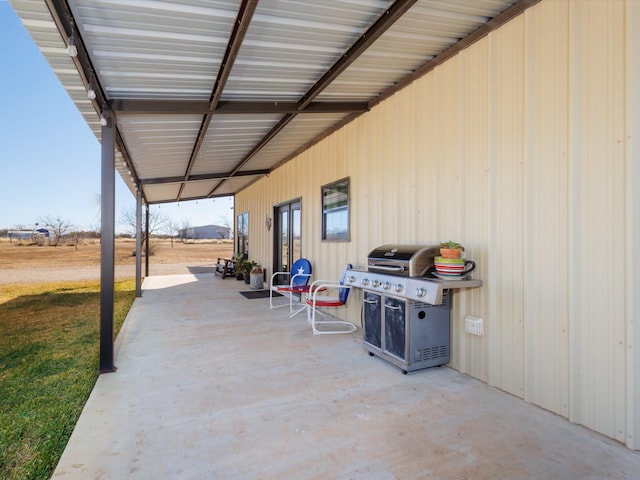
x,y
49,158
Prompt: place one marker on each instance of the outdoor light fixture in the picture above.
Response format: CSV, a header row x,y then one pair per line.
x,y
91,93
71,49
103,120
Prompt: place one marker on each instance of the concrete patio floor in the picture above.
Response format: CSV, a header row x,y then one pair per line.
x,y
212,385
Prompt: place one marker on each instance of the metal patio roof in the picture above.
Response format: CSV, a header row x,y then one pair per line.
x,y
210,95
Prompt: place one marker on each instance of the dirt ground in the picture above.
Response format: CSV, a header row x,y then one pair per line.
x,y
22,262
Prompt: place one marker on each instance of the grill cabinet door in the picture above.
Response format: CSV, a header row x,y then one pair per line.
x,y
372,319
395,332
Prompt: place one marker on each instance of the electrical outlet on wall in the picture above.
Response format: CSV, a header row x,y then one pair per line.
x,y
474,325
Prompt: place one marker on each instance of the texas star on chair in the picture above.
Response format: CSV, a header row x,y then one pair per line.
x,y
297,285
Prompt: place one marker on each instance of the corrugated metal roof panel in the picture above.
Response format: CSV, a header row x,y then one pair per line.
x,y
37,19
281,52
235,184
427,30
161,193
300,131
229,139
199,189
290,44
156,49
159,145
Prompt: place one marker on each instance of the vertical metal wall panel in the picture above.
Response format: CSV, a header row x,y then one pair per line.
x,y
632,141
597,343
472,352
426,125
505,243
546,290
521,147
357,138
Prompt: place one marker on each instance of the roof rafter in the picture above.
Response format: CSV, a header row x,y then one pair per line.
x,y
202,107
384,22
200,177
493,24
241,25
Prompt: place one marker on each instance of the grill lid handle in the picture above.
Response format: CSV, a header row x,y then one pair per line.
x,y
394,268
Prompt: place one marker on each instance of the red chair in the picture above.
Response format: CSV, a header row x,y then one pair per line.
x,y
319,298
297,285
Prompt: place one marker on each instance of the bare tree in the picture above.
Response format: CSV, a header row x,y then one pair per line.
x,y
225,221
173,229
157,221
57,226
185,226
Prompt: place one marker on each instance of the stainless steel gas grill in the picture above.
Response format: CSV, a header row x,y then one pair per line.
x,y
406,313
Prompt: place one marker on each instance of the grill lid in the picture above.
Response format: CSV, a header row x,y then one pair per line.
x,y
403,260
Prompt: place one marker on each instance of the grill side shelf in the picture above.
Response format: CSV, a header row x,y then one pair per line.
x,y
415,288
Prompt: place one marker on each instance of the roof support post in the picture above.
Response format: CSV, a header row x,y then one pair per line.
x,y
107,247
146,242
139,242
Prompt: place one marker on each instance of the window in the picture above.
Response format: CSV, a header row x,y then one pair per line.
x,y
243,234
335,211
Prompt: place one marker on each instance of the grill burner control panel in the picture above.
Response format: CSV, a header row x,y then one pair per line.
x,y
414,288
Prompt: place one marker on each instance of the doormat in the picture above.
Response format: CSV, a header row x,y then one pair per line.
x,y
258,294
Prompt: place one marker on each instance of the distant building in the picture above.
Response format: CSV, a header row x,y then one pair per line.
x,y
24,234
215,232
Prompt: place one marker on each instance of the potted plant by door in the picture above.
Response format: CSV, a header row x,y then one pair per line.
x,y
246,267
238,262
451,249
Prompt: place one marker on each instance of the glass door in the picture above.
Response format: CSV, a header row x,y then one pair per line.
x,y
287,236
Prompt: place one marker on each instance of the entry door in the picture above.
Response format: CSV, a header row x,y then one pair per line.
x,y
287,239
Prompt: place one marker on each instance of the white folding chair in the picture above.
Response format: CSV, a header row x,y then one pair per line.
x,y
328,294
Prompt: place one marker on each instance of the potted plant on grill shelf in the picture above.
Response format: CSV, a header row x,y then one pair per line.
x,y
451,249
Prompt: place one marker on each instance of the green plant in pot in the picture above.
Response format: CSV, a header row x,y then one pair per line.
x,y
245,268
238,262
451,249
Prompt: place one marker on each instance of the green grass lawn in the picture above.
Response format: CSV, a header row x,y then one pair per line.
x,y
49,348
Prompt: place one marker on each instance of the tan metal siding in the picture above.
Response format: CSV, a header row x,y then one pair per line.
x,y
546,208
633,222
505,242
597,180
472,351
521,147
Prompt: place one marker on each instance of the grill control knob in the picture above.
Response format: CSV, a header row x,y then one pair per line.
x,y
421,292
352,279
365,281
399,288
376,283
387,285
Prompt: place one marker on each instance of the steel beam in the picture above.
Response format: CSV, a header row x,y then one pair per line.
x,y
139,242
240,27
202,107
146,242
375,31
200,177
107,247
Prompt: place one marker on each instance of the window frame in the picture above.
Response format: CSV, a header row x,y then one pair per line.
x,y
242,234
324,211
